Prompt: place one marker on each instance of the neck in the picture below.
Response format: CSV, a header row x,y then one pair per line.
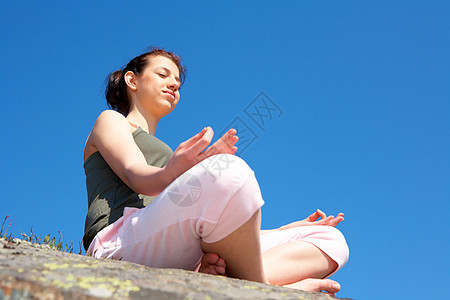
x,y
146,121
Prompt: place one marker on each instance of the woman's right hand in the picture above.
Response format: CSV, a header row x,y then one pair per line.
x,y
313,220
192,151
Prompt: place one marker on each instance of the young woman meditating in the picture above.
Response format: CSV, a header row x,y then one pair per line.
x,y
167,209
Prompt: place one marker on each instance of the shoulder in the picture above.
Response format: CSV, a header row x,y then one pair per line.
x,y
109,126
110,120
110,116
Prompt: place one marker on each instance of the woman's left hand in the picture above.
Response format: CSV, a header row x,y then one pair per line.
x,y
312,220
224,145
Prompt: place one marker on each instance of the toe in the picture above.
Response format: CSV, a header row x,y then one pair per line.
x,y
213,272
211,258
220,262
220,270
330,286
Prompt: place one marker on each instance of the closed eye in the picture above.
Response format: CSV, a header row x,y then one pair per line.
x,y
162,75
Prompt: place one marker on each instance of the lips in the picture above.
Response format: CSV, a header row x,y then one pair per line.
x,y
170,93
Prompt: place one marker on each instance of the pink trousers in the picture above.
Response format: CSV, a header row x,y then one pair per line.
x,y
208,202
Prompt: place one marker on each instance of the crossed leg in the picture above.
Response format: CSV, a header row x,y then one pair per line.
x,y
297,263
244,261
282,267
300,265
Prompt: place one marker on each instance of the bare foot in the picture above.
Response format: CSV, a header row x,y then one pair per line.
x,y
212,264
330,287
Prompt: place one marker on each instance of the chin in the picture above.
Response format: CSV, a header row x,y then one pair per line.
x,y
166,112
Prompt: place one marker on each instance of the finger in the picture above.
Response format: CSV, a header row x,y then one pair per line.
x,y
225,144
198,146
192,140
232,141
220,147
313,217
333,223
230,138
321,214
325,221
231,132
336,221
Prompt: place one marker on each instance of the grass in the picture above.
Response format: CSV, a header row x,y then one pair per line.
x,y
38,239
5,235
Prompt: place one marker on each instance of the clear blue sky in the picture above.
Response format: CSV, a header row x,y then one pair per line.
x,y
364,93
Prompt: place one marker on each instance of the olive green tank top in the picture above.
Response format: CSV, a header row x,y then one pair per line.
x,y
107,194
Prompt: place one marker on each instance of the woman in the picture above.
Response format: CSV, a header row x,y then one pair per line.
x,y
160,208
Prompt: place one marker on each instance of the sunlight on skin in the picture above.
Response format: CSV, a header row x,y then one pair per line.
x,y
213,264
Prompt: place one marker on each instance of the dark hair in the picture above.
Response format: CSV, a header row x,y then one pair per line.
x,y
116,90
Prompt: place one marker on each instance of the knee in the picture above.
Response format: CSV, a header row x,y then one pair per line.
x,y
335,236
224,164
230,196
330,240
222,172
230,175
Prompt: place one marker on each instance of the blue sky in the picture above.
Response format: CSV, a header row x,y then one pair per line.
x,y
362,128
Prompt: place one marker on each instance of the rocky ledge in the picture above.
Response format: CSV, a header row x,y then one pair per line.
x,y
29,271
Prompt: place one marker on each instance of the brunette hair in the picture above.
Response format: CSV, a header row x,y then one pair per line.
x,y
116,89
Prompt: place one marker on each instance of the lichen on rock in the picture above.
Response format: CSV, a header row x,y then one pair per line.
x,y
34,272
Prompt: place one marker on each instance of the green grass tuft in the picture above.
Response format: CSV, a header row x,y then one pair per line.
x,y
39,240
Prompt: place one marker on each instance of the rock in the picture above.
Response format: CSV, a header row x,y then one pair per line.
x,y
29,271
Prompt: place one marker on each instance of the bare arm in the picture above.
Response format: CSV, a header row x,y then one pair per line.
x,y
112,137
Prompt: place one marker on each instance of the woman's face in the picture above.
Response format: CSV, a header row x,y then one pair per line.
x,y
157,88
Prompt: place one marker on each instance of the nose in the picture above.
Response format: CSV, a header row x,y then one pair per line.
x,y
173,84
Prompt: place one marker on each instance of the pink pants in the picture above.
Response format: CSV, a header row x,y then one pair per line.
x,y
208,202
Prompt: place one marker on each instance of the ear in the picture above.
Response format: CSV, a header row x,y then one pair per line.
x,y
130,80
